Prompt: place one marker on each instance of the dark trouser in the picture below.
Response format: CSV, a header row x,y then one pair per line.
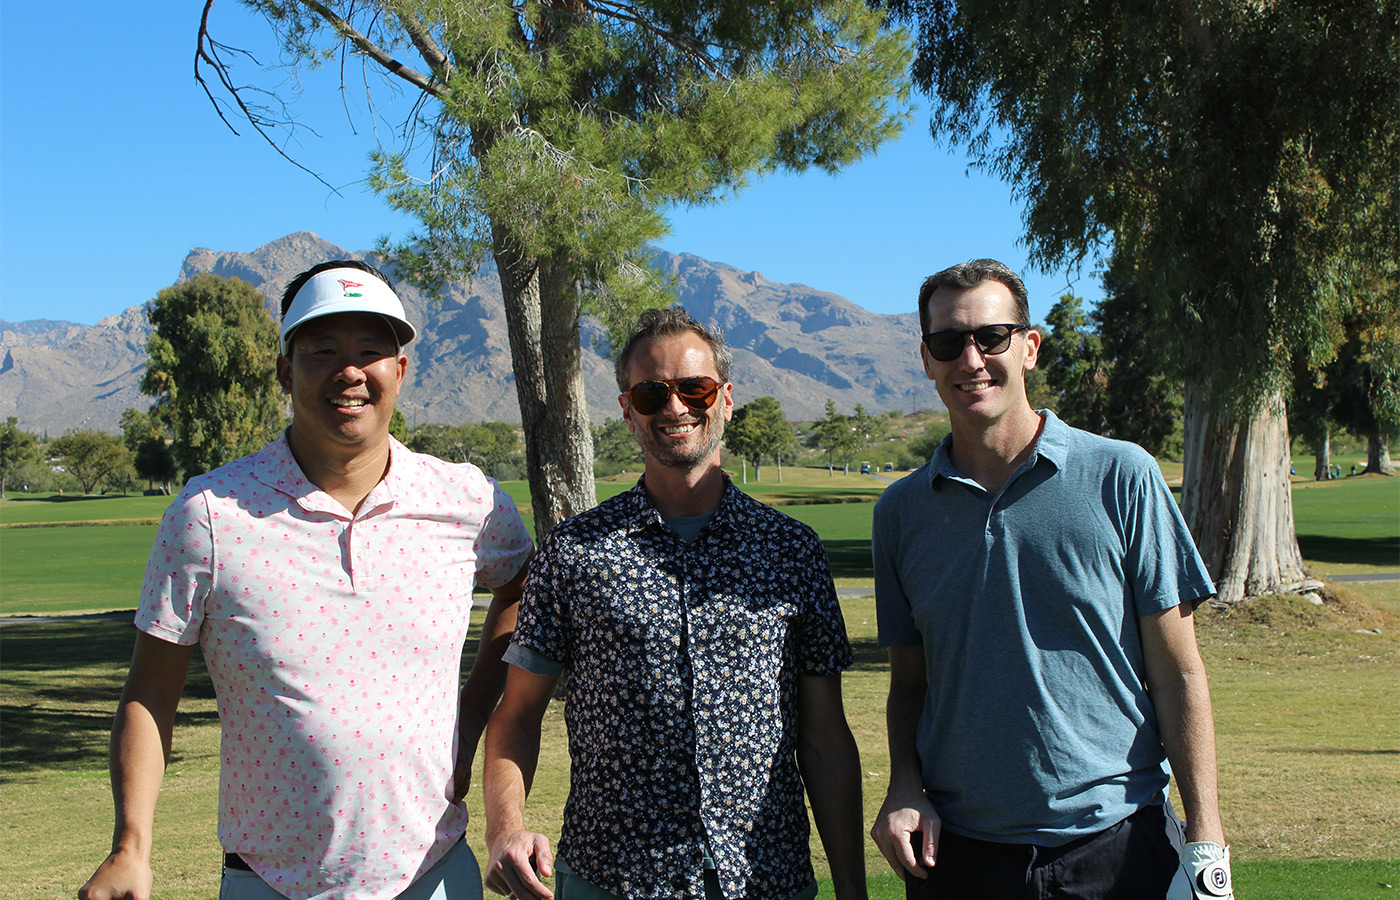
x,y
1133,860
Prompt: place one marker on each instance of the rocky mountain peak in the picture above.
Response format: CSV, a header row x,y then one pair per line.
x,y
793,342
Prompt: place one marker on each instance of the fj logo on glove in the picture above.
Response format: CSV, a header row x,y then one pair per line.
x,y
1215,880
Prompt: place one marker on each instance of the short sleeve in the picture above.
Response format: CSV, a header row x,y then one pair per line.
x,y
532,661
893,613
1162,560
179,572
541,623
823,647
503,545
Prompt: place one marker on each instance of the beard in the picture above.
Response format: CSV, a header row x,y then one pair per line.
x,y
696,450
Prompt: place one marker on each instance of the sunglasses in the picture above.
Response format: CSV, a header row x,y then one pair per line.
x,y
697,392
946,346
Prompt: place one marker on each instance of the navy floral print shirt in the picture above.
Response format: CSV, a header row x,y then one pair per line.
x,y
683,662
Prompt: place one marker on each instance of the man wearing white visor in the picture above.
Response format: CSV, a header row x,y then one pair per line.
x,y
328,581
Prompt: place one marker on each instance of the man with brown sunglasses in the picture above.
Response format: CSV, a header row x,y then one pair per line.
x,y
1034,585
703,644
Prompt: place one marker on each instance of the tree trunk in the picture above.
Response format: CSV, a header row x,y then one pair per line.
x,y
778,461
744,467
1237,499
1378,454
542,320
1322,455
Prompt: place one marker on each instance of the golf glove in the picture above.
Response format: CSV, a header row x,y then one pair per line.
x,y
1204,873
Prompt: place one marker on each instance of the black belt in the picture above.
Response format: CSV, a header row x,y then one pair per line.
x,y
234,861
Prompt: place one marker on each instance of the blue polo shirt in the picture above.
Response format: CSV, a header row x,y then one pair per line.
x,y
1036,727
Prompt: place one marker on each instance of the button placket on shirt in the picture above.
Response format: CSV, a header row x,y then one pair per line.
x,y
360,533
695,665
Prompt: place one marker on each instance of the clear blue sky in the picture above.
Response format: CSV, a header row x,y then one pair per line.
x,y
113,165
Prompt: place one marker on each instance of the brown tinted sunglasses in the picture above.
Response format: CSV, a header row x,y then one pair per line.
x,y
697,392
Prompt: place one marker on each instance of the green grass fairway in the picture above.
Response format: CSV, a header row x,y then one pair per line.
x,y
1304,711
845,532
1360,879
23,509
1350,524
50,571
1344,527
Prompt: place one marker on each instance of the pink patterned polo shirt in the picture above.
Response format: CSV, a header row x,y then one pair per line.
x,y
334,643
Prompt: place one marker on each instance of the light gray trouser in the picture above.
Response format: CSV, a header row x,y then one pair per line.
x,y
455,877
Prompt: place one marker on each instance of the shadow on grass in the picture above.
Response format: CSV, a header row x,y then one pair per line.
x,y
88,644
62,682
1379,551
869,656
68,498
850,558
1334,751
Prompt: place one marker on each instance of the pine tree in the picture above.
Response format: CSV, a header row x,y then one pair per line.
x,y
562,131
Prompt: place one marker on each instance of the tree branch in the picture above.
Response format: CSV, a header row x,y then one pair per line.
x,y
207,50
428,48
425,83
623,13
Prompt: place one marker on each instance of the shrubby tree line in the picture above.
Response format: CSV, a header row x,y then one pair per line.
x,y
82,460
494,447
842,437
760,430
1100,374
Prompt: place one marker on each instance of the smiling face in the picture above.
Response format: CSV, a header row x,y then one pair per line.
x,y
677,436
980,390
343,375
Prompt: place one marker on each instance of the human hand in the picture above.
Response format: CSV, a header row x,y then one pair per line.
x,y
906,830
1204,873
515,859
122,876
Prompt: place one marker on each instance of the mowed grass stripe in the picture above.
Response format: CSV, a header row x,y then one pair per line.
x,y
21,509
53,571
1346,526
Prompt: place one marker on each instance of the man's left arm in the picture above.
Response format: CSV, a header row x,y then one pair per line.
x,y
1176,683
830,764
487,678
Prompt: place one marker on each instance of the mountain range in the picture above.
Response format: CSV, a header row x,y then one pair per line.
x,y
790,341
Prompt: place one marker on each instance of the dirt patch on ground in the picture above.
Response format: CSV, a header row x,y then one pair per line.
x,y
1341,610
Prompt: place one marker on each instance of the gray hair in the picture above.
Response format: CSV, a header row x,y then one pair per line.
x,y
673,321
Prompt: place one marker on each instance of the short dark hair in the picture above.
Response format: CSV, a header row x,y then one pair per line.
x,y
673,321
968,275
296,283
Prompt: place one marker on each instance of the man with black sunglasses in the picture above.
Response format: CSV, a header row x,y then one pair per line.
x,y
704,644
1034,585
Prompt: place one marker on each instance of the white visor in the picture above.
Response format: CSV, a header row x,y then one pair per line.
x,y
345,290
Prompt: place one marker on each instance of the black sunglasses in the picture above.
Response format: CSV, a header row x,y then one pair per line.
x,y
697,392
946,346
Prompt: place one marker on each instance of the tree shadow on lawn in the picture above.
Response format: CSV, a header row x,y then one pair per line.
x,y
67,498
1378,551
62,682
869,656
850,558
